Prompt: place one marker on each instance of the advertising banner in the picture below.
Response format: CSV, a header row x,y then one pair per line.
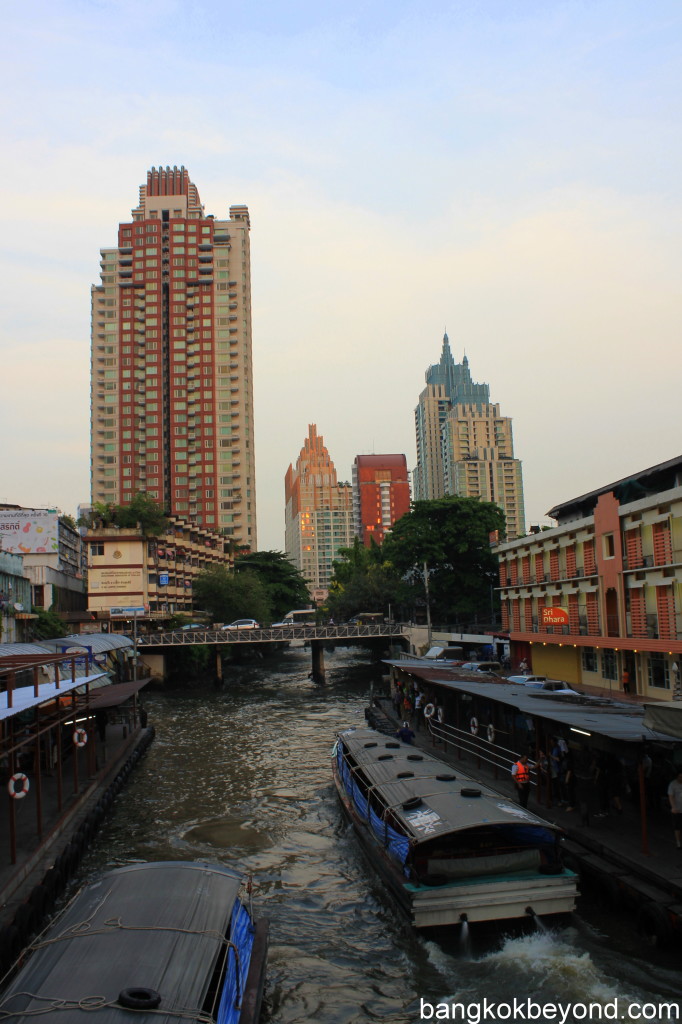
x,y
116,581
29,531
554,616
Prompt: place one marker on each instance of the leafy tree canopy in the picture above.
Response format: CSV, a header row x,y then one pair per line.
x,y
285,586
450,535
143,509
363,581
228,595
48,625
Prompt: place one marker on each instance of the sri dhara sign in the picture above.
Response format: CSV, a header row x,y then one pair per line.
x,y
29,531
554,616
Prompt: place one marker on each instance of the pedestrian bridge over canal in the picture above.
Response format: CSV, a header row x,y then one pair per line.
x,y
316,636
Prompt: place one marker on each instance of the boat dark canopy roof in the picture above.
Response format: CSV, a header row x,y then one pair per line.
x,y
444,808
157,926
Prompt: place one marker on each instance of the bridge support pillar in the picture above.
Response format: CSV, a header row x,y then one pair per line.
x,y
317,648
219,665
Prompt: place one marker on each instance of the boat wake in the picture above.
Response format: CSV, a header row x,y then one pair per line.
x,y
543,968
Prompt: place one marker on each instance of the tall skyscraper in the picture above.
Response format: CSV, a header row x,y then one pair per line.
x,y
171,374
381,495
318,514
464,446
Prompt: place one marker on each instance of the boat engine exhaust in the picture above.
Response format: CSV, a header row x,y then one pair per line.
x,y
464,937
536,920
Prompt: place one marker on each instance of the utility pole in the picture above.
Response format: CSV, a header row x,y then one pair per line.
x,y
428,604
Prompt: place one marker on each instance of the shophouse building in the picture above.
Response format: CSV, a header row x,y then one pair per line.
x,y
171,369
598,595
318,515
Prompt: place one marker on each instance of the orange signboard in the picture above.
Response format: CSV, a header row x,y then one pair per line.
x,y
554,616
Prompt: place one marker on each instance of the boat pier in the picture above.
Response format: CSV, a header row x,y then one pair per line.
x,y
624,848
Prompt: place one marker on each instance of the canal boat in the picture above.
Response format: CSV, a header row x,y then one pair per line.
x,y
161,942
449,849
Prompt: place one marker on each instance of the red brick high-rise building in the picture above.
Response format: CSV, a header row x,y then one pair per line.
x,y
381,494
172,381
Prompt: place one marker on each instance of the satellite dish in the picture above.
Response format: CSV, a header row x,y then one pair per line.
x,y
18,607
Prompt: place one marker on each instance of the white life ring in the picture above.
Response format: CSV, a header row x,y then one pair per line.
x,y
18,794
80,737
473,725
490,733
428,711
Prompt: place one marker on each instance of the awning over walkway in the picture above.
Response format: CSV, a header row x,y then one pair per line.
x,y
111,696
24,697
666,717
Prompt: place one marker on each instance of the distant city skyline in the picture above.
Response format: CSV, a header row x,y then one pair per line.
x,y
506,172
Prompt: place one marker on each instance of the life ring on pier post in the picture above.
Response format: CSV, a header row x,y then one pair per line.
x,y
473,725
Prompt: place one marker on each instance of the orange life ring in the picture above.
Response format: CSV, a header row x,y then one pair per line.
x,y
18,794
473,725
80,737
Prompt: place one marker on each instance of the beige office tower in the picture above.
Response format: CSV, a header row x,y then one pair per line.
x,y
318,515
172,378
478,460
464,446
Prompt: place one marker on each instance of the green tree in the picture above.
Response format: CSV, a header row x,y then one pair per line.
x,y
227,595
285,586
48,625
452,536
146,511
363,581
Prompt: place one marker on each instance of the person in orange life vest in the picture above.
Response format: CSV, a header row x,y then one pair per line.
x,y
521,776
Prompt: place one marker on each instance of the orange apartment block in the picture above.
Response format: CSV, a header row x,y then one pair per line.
x,y
598,595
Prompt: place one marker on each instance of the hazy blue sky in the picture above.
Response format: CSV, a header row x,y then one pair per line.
x,y
509,171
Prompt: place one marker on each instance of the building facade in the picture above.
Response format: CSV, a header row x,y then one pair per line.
x,y
318,515
171,367
381,495
128,569
599,594
54,558
465,446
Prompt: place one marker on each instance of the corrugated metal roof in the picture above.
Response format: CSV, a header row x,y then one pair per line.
x,y
24,697
6,650
383,760
98,643
617,721
112,696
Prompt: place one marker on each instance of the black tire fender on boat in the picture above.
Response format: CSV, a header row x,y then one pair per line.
x,y
471,793
139,999
653,921
434,880
412,804
446,778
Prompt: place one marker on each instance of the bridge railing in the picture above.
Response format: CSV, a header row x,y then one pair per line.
x,y
270,634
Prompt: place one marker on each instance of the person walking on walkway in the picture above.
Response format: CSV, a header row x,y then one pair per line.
x,y
675,800
521,776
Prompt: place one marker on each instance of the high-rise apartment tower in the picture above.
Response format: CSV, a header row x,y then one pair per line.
x,y
381,495
464,446
172,388
318,514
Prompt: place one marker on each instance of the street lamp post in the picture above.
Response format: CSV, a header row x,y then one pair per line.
x,y
428,605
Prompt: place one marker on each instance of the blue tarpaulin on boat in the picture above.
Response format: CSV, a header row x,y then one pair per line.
x,y
241,935
398,845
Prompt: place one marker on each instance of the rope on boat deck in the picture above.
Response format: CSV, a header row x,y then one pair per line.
x,y
94,1003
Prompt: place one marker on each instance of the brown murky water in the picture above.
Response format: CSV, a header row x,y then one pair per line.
x,y
242,776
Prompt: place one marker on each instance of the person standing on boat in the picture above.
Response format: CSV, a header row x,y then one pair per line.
x,y
405,734
521,776
418,701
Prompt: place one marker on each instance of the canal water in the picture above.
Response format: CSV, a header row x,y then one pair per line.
x,y
241,776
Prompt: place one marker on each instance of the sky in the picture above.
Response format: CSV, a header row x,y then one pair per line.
x,y
506,171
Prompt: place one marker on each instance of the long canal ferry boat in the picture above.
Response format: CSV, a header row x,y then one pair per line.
x,y
157,942
450,849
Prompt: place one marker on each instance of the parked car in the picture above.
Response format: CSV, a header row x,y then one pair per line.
x,y
525,680
553,686
242,624
194,625
481,666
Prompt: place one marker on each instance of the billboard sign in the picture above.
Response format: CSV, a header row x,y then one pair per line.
x,y
27,531
128,613
554,616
